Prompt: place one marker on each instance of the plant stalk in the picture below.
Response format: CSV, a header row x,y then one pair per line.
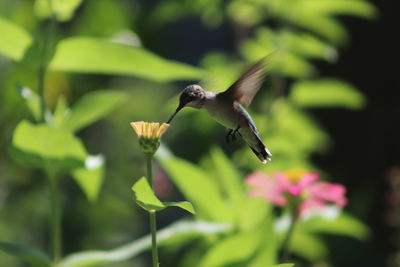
x,y
152,215
288,237
149,165
55,220
153,229
44,62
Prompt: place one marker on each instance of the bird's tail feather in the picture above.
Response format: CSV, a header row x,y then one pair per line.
x,y
261,151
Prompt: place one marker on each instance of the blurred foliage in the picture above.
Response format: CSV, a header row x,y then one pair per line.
x,y
126,47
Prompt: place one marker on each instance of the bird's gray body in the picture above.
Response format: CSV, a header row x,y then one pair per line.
x,y
228,107
233,116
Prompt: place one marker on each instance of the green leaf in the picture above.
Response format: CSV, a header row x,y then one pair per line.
x,y
283,265
229,177
251,212
47,147
92,107
318,16
34,257
285,62
294,66
267,250
308,246
62,9
307,45
32,100
326,93
60,113
339,7
235,249
91,177
345,225
325,26
14,40
146,198
90,55
193,182
130,250
245,12
295,131
185,205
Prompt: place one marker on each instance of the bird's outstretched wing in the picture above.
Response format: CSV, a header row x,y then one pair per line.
x,y
247,86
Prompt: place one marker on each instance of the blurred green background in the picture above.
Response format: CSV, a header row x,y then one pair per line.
x,y
330,103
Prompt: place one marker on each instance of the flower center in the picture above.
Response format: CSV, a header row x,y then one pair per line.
x,y
295,175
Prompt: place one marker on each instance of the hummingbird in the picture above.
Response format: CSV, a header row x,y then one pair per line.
x,y
228,107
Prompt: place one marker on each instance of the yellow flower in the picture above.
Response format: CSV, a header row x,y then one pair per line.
x,y
149,135
149,129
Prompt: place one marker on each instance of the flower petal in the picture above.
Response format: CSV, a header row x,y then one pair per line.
x,y
137,127
163,128
308,179
327,192
267,187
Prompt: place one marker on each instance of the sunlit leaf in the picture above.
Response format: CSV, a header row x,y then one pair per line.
x,y
245,12
307,45
235,249
185,205
130,250
90,55
267,251
90,178
146,198
47,147
287,61
60,113
345,224
62,9
193,182
229,177
308,246
294,66
295,131
92,107
14,40
103,19
326,27
318,15
251,212
34,257
339,7
326,93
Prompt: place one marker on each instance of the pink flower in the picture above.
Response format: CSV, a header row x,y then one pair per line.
x,y
276,188
267,187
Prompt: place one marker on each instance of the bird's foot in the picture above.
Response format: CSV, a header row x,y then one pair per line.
x,y
231,136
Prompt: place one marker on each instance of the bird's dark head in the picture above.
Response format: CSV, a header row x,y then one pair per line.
x,y
192,96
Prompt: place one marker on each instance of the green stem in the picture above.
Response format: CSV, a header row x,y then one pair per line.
x,y
152,214
55,219
288,237
44,62
149,163
153,229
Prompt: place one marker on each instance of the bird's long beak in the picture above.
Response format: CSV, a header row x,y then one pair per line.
x,y
176,111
